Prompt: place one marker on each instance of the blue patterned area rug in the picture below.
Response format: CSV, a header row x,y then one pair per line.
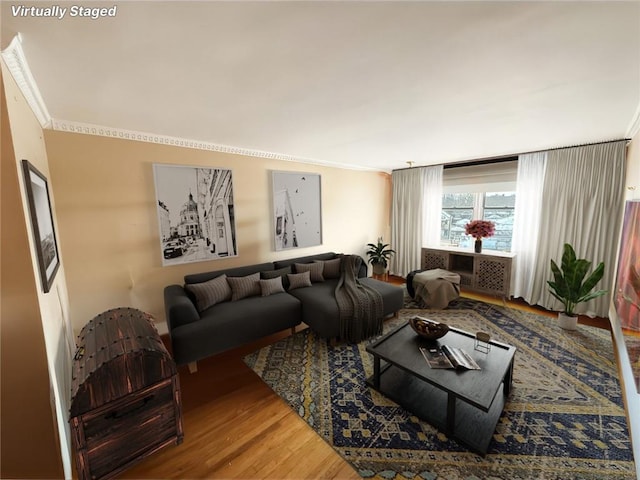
x,y
564,418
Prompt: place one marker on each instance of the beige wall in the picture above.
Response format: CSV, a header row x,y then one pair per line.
x,y
633,169
108,227
29,441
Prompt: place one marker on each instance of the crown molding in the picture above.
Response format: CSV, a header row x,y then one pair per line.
x,y
124,134
17,64
634,126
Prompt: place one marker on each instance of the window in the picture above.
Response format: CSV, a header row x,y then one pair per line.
x,y
479,191
499,208
460,208
457,211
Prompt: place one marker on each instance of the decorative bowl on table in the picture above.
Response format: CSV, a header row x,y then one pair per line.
x,y
428,329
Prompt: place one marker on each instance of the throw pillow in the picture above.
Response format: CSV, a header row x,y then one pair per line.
x,y
299,280
271,286
280,272
242,287
209,293
314,269
331,268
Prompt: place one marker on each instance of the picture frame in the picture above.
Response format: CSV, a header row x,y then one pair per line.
x,y
297,209
196,215
42,225
626,297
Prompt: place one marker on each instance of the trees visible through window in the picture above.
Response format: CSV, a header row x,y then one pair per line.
x,y
459,208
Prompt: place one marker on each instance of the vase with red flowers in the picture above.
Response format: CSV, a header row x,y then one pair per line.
x,y
480,229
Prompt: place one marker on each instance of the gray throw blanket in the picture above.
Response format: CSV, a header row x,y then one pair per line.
x,y
360,306
436,288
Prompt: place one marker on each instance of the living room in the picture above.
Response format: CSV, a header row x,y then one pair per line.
x,y
104,209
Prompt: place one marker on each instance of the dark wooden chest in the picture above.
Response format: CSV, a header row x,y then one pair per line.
x,y
125,394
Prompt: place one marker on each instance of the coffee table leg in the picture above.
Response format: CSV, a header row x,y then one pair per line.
x,y
376,372
451,413
508,378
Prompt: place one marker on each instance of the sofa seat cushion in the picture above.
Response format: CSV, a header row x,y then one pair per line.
x,y
231,324
319,308
392,295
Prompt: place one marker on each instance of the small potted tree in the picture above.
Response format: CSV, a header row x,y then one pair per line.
x,y
379,256
570,286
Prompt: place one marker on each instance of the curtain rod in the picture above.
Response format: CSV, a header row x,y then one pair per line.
x,y
510,157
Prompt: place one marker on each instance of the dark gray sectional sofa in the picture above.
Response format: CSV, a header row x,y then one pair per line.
x,y
198,330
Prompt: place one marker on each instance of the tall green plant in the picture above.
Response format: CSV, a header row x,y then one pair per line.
x,y
569,285
379,254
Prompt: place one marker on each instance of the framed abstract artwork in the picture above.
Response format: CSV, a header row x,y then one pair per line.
x,y
297,210
195,213
41,224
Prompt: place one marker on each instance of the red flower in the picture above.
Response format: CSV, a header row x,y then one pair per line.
x,y
480,228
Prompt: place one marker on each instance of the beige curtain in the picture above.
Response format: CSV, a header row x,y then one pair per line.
x,y
526,224
581,205
415,213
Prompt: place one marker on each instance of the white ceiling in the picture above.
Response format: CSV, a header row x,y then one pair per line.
x,y
365,84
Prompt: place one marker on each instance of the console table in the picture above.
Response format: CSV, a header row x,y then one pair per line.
x,y
487,272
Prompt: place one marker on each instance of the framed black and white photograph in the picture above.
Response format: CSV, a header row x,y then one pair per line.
x,y
195,213
42,224
297,212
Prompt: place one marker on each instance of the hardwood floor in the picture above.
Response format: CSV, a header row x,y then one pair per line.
x,y
236,427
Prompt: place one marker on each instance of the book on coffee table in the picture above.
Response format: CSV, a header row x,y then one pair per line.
x,y
448,357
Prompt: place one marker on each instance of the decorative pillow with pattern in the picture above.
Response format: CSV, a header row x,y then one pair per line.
x,y
314,269
331,268
280,272
209,293
299,280
271,286
242,287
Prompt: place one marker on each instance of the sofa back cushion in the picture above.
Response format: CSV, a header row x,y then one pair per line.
x,y
362,272
308,259
229,272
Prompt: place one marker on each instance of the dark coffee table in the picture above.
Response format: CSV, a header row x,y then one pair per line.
x,y
464,404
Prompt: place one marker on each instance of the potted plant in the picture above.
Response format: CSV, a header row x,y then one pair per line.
x,y
379,256
570,286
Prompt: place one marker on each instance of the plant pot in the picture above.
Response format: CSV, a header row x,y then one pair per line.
x,y
378,269
567,322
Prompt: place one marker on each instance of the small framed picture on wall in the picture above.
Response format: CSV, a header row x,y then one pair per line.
x,y
41,224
